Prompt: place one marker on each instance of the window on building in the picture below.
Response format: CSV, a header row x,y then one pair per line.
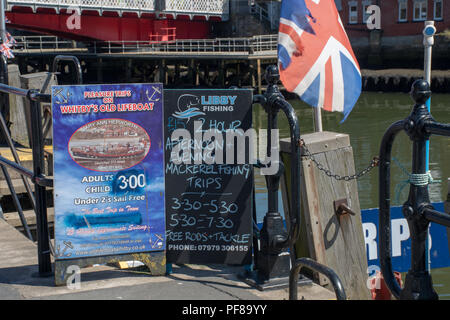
x,y
365,5
420,10
438,9
353,12
403,10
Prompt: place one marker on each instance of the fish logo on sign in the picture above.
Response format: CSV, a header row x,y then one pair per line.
x,y
186,105
316,59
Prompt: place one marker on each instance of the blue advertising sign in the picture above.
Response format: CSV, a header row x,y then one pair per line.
x,y
401,241
108,169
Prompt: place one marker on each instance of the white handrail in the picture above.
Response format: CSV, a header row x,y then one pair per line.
x,y
207,7
255,44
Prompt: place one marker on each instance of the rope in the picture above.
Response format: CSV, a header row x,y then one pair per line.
x,y
416,179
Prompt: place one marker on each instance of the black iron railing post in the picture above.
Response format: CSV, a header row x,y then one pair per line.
x,y
271,259
77,65
317,267
384,209
418,283
273,235
274,103
274,238
417,210
43,238
4,79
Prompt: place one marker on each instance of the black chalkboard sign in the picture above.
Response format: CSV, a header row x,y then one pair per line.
x,y
208,189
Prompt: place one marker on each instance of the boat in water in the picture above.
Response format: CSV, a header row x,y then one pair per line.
x,y
109,151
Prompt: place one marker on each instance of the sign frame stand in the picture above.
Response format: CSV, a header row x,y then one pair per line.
x,y
155,261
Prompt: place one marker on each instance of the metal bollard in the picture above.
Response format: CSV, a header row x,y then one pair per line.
x,y
272,260
417,210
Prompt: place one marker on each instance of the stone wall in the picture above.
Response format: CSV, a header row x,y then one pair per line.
x,y
380,52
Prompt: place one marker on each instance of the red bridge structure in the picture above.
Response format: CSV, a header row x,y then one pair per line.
x,y
118,20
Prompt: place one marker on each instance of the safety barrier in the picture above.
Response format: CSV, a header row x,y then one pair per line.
x,y
418,211
37,176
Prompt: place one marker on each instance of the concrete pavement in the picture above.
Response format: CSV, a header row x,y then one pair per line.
x,y
18,280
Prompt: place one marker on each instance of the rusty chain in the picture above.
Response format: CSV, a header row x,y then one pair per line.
x,y
374,163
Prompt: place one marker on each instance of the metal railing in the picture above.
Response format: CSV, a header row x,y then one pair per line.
x,y
320,268
36,175
417,210
41,42
198,7
100,5
264,16
262,44
209,7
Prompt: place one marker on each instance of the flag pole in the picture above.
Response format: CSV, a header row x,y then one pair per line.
x,y
428,42
2,20
318,119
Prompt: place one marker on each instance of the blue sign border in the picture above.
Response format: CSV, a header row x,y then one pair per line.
x,y
132,217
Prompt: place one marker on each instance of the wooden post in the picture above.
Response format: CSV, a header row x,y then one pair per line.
x,y
222,73
41,81
197,74
335,241
252,73
100,70
177,72
238,74
128,69
19,132
160,74
206,78
192,73
166,72
258,75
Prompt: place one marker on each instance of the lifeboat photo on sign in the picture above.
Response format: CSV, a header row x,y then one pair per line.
x,y
108,169
109,144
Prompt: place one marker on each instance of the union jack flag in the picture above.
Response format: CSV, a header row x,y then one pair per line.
x,y
11,40
316,60
5,49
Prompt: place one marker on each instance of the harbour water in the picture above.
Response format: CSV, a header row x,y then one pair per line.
x,y
366,125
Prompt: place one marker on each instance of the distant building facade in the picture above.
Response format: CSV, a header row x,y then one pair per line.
x,y
398,17
398,41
